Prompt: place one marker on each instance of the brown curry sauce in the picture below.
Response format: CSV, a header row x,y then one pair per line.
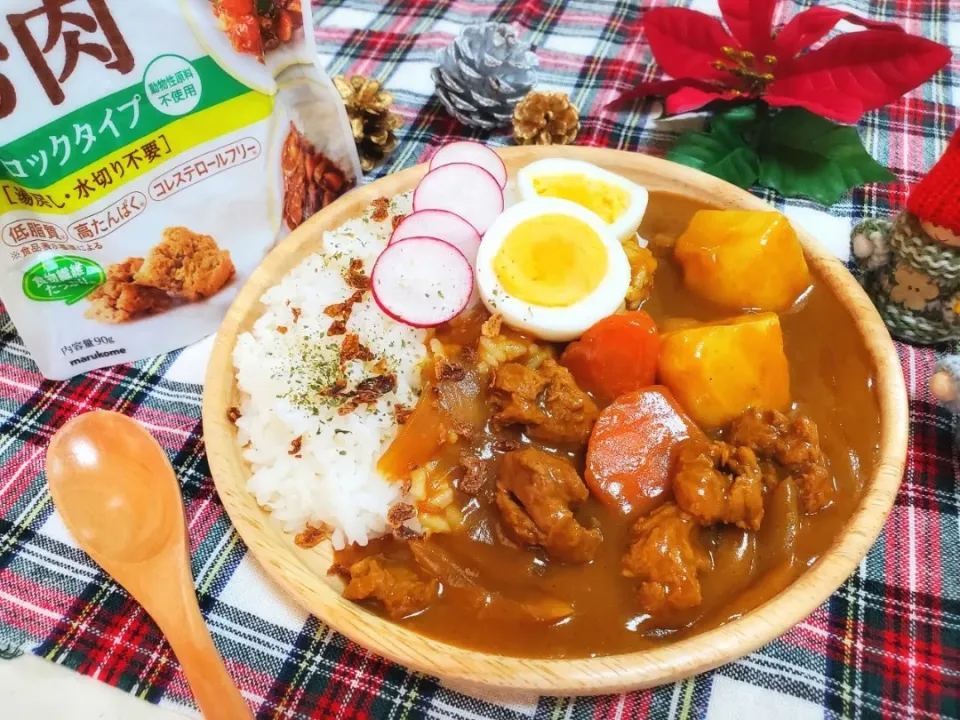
x,y
831,383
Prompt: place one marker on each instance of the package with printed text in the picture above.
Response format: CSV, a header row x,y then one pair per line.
x,y
151,152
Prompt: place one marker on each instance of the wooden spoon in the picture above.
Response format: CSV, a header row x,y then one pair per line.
x,y
117,494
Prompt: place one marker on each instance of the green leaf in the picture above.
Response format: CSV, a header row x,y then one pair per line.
x,y
734,122
802,154
724,155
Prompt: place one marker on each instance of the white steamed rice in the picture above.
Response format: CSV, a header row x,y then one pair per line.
x,y
334,480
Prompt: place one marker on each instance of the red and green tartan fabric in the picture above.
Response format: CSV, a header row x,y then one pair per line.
x,y
886,644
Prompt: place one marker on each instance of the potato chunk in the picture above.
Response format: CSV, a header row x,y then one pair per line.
x,y
743,260
718,370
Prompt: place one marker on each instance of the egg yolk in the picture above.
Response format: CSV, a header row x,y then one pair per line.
x,y
606,200
551,261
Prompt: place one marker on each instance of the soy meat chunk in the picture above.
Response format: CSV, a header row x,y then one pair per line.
x,y
570,411
536,494
187,265
665,556
816,487
546,400
758,429
398,588
119,299
516,391
794,445
716,482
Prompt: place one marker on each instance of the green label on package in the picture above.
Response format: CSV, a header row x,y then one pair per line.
x,y
63,278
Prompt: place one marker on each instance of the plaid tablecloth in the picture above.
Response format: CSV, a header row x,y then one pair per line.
x,y
886,644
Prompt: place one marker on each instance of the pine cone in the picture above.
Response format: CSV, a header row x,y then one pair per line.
x,y
545,118
483,74
368,107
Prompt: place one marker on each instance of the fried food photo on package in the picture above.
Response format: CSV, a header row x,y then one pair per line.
x,y
184,265
149,158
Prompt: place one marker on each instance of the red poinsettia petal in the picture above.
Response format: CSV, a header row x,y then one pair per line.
x,y
839,109
690,99
685,42
750,22
872,67
813,24
655,88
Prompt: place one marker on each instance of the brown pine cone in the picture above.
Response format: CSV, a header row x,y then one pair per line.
x,y
373,124
545,118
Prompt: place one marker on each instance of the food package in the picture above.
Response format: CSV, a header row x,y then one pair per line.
x,y
151,152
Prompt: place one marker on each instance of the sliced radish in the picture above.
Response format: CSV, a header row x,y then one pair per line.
x,y
472,153
465,190
422,281
443,225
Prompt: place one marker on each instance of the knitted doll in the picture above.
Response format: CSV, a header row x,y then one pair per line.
x,y
910,268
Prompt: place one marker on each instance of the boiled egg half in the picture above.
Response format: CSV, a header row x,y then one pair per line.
x,y
552,268
615,200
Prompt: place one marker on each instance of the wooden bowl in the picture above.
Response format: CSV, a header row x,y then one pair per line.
x,y
303,573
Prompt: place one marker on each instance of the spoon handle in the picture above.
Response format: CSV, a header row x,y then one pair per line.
x,y
213,688
172,602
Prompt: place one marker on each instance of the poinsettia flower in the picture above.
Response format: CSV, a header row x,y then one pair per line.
x,y
844,78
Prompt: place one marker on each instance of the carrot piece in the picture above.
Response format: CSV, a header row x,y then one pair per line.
x,y
616,356
633,447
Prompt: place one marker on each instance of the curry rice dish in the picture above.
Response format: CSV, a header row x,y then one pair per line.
x,y
681,460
